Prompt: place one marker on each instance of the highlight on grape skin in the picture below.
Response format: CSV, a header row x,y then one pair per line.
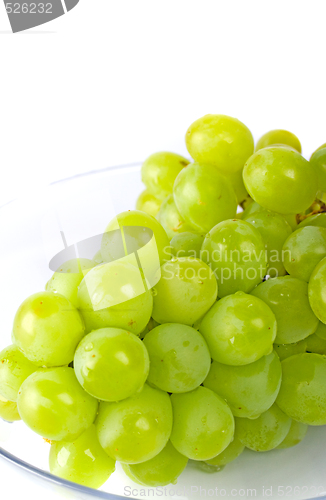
x,y
193,327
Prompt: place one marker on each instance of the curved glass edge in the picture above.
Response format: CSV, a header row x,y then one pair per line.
x,y
84,174
35,471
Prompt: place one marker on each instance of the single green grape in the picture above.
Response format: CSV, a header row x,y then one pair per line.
x,y
114,295
279,137
187,245
47,329
255,207
111,364
204,197
53,404
84,461
159,171
235,251
67,278
147,202
316,290
221,141
249,390
286,350
136,429
321,331
170,218
239,188
318,161
274,230
318,220
239,329
161,470
203,424
288,299
179,357
185,292
14,369
303,250
295,435
230,453
8,410
280,180
265,432
139,238
303,390
315,344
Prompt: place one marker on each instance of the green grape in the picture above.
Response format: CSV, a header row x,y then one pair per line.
x,y
249,334
230,453
249,390
303,250
14,369
280,180
255,207
318,220
274,230
67,278
204,197
265,432
316,288
53,404
295,435
47,329
318,161
221,141
161,470
303,390
159,171
179,357
146,202
84,461
321,331
185,292
286,350
203,424
288,299
187,245
171,219
315,344
113,295
279,137
8,410
239,188
111,364
135,218
136,429
235,251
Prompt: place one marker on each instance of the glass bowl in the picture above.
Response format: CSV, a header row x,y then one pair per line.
x,y
36,227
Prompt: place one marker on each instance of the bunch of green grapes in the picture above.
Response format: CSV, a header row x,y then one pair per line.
x,y
195,331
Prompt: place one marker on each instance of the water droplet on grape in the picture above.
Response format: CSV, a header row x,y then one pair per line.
x,y
89,347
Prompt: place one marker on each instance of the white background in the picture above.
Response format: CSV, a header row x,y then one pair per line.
x,y
115,80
